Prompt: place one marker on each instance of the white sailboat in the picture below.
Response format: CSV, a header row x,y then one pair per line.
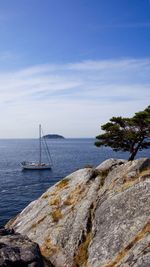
x,y
27,165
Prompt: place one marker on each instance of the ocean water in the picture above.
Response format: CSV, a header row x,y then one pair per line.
x,y
18,188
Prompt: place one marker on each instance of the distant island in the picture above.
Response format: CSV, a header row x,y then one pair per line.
x,y
53,136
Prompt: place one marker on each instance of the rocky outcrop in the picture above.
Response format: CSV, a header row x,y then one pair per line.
x,y
94,217
17,250
53,136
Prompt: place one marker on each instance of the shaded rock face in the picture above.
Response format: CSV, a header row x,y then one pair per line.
x,y
18,251
94,217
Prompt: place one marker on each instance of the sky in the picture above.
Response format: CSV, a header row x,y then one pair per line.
x,y
72,64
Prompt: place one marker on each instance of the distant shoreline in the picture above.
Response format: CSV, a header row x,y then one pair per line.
x,y
53,136
34,138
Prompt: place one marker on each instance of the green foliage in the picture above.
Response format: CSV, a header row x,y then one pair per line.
x,y
127,134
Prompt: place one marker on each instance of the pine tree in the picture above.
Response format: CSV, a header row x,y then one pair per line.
x,y
127,134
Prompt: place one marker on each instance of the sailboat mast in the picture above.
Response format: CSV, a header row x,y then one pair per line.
x,y
40,154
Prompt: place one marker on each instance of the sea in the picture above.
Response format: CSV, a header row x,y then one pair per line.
x,y
18,188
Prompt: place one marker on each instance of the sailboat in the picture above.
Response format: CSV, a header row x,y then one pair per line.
x,y
39,165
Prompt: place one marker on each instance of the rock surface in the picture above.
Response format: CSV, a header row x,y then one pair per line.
x,y
94,217
17,250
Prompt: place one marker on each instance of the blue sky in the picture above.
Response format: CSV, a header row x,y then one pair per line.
x,y
72,64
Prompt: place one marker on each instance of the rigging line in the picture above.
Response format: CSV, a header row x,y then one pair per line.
x,y
47,152
47,149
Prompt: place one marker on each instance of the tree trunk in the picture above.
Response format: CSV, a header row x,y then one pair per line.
x,y
133,154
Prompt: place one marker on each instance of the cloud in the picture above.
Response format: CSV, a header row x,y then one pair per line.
x,y
74,98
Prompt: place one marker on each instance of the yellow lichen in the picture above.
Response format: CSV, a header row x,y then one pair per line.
x,y
134,180
56,215
45,195
42,219
55,201
103,173
48,248
38,222
144,175
74,196
82,252
33,225
126,185
63,183
102,180
60,185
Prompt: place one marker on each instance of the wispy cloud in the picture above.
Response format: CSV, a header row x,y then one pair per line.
x,y
73,98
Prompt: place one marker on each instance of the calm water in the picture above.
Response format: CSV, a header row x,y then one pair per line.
x,y
18,188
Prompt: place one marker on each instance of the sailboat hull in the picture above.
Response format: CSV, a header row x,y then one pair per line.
x,y
35,166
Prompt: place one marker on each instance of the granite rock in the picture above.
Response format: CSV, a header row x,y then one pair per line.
x,y
17,250
94,217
